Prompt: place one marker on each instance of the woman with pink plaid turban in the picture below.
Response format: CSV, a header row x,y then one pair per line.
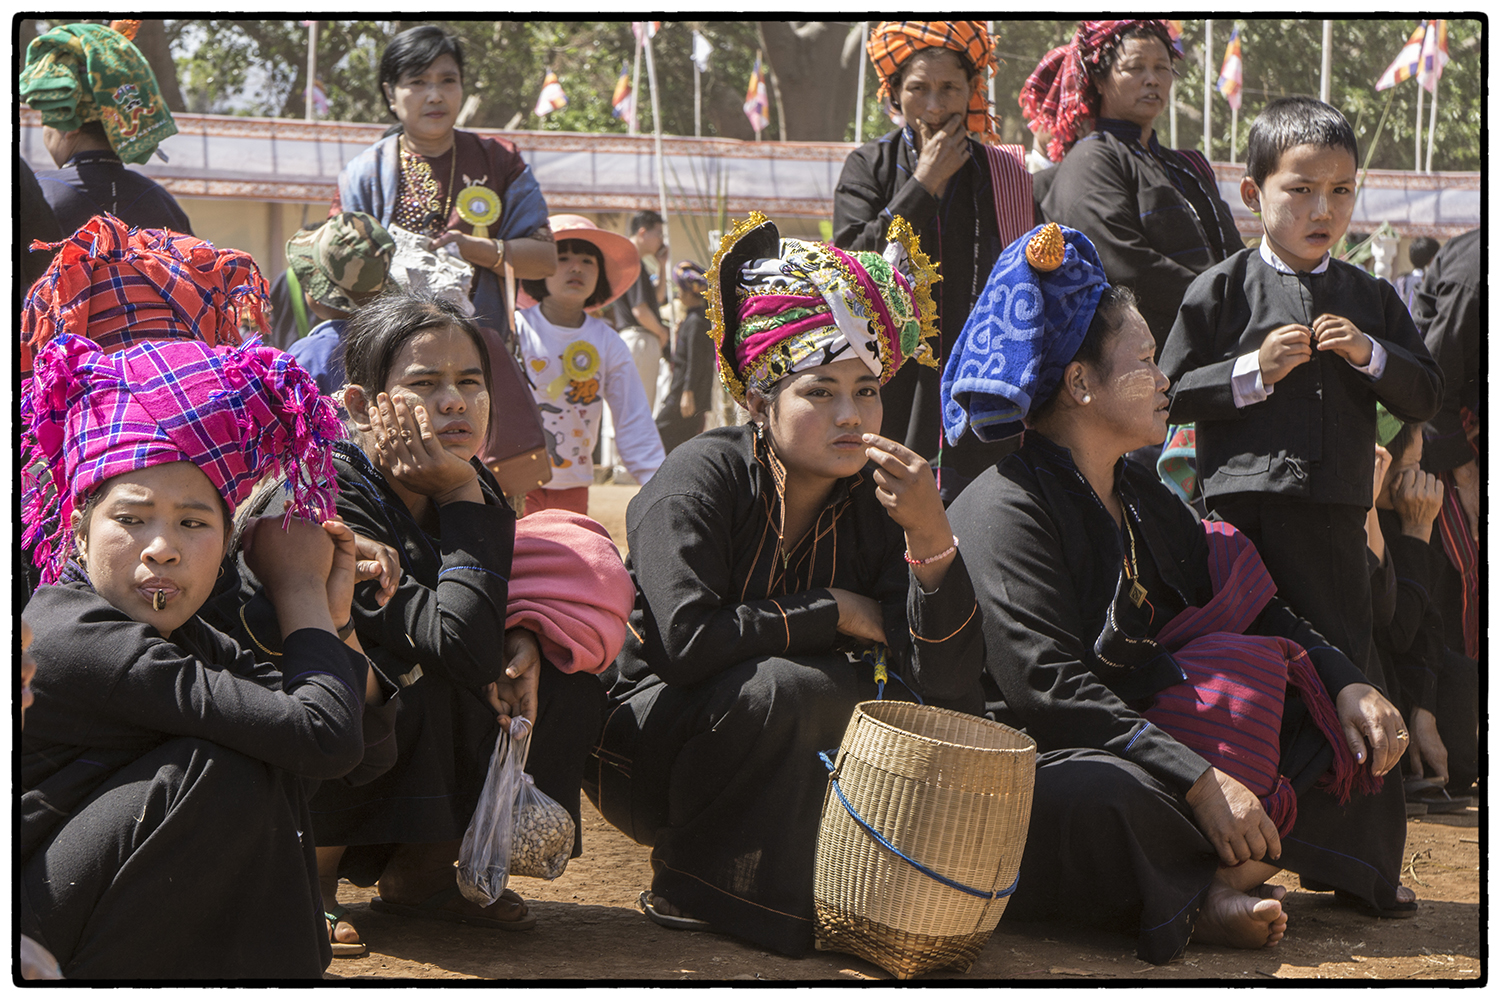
x,y
164,767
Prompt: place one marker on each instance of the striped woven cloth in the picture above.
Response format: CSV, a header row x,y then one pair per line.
x,y
1229,709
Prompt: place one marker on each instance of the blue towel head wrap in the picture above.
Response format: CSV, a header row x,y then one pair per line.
x,y
1021,335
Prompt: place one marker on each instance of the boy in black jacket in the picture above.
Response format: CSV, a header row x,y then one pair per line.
x,y
1279,355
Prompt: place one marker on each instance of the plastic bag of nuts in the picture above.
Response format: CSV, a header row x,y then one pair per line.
x,y
542,839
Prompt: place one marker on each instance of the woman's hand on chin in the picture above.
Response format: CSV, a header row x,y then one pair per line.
x,y
407,449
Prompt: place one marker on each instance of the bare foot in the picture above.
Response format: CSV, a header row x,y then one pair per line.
x,y
1239,920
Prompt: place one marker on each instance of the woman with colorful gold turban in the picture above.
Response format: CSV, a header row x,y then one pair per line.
x,y
965,198
1154,213
768,559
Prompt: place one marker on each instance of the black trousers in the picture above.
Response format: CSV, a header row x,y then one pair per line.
x,y
722,780
193,862
1110,846
1316,554
1458,719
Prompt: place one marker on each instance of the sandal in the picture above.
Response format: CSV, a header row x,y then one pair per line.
x,y
1399,911
342,949
1438,801
435,907
671,921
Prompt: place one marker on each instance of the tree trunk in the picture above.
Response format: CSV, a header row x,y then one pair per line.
x,y
151,39
817,76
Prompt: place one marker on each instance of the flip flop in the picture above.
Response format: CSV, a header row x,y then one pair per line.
x,y
1439,801
434,907
1400,911
343,949
1417,787
668,920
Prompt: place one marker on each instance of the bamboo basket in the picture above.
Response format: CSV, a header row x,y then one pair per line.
x,y
950,791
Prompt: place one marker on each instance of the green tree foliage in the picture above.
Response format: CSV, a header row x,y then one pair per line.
x,y
258,67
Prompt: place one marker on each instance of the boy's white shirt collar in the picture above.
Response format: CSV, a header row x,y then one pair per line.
x,y
1269,256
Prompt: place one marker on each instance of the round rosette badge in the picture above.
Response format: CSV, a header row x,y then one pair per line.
x,y
480,208
580,361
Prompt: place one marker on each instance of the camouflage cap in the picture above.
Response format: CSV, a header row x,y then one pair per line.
x,y
344,262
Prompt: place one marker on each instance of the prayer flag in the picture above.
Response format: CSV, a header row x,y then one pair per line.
x,y
1174,32
757,104
552,97
702,49
1407,63
624,100
1434,56
319,98
649,27
1232,76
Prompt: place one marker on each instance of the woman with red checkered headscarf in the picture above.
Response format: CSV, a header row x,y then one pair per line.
x,y
164,770
1154,214
965,197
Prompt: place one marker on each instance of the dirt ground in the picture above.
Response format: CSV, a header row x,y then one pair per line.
x,y
589,926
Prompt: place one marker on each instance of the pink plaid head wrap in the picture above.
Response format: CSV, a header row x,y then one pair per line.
x,y
1060,93
236,413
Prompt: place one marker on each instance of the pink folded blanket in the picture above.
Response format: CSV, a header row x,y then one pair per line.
x,y
569,586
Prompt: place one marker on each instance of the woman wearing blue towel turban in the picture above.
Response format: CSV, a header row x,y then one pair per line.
x,y
1195,735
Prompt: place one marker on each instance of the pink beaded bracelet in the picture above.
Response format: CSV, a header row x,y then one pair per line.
x,y
932,559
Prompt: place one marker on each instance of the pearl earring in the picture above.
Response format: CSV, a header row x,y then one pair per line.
x,y
1087,398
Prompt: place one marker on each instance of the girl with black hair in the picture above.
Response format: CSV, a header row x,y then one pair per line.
x,y
418,399
577,363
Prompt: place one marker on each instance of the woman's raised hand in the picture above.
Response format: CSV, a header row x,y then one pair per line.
x,y
295,564
408,450
905,486
944,150
343,573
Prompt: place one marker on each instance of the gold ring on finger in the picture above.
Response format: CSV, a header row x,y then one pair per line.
x,y
1402,734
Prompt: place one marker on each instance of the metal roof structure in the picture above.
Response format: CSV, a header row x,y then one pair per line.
x,y
289,160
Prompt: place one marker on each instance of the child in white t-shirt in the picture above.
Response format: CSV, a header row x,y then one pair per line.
x,y
577,363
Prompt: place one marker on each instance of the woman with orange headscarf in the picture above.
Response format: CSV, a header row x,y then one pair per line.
x,y
965,199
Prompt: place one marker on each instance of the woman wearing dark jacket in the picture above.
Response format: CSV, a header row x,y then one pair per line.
x,y
164,770
418,404
1154,214
964,199
764,555
1195,735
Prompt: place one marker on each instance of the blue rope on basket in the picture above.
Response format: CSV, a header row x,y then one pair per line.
x,y
883,842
